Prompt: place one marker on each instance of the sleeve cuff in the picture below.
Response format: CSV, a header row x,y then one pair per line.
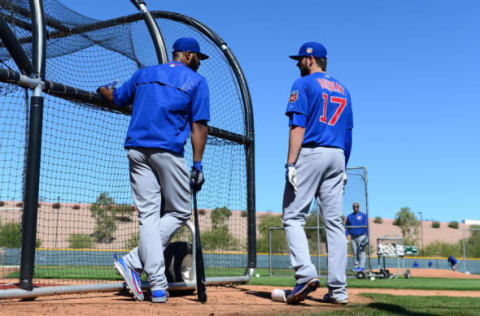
x,y
297,119
115,98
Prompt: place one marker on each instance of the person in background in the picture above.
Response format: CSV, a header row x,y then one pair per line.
x,y
356,225
453,263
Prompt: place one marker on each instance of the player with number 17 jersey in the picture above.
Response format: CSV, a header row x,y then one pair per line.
x,y
324,106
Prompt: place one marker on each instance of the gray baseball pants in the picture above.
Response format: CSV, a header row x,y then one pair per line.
x,y
319,174
161,191
358,252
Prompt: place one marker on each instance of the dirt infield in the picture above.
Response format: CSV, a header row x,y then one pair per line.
x,y
227,300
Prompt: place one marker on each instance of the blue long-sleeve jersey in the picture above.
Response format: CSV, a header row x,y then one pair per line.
x,y
358,219
451,260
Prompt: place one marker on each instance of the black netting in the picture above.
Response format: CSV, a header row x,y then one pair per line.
x,y
83,163
13,113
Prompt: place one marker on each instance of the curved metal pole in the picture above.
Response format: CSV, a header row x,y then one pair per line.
x,y
154,30
14,48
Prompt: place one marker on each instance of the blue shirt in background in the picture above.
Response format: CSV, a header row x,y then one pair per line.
x,y
322,105
358,219
452,260
166,99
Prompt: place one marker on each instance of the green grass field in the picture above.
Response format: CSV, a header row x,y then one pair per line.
x,y
384,304
103,273
400,283
108,273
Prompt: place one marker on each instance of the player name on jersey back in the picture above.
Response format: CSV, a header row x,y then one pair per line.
x,y
331,85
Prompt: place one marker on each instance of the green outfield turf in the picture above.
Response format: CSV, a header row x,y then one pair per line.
x,y
104,273
409,305
400,283
108,273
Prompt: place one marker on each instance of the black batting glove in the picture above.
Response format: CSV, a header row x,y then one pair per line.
x,y
196,177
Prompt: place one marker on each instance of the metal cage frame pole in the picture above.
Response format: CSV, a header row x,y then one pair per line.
x,y
365,179
31,189
154,30
464,252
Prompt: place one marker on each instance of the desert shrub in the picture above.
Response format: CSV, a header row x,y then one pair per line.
x,y
103,211
80,241
453,224
243,214
2,203
442,249
19,204
219,236
279,240
219,217
408,224
473,243
76,207
219,239
56,205
123,213
435,224
11,236
378,220
202,211
132,242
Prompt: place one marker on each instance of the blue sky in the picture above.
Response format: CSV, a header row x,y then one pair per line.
x,y
411,68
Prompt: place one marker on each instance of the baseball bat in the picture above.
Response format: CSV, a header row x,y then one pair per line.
x,y
199,265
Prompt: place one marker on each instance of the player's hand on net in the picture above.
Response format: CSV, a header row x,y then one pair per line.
x,y
291,175
108,86
196,177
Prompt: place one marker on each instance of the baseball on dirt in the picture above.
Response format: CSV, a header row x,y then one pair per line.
x,y
279,295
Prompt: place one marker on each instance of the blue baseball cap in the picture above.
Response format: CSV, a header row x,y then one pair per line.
x,y
188,44
314,49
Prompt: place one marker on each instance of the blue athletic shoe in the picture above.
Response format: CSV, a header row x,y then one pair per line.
x,y
300,291
360,269
159,296
131,277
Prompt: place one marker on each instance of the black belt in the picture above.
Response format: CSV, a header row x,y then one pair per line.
x,y
311,145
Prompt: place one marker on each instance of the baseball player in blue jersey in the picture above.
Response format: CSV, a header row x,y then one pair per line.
x,y
170,101
321,122
452,262
356,225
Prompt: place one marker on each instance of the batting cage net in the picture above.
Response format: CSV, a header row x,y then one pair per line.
x,y
86,214
356,190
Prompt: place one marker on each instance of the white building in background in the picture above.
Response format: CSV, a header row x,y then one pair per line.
x,y
471,222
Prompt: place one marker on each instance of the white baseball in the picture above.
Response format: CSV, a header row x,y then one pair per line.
x,y
279,295
372,278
